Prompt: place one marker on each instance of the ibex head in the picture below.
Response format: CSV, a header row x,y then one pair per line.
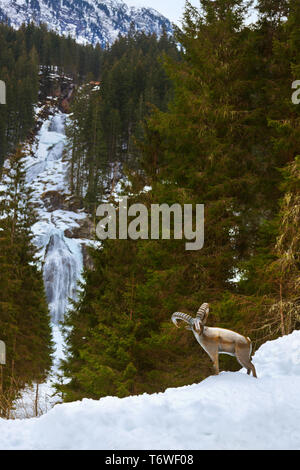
x,y
197,323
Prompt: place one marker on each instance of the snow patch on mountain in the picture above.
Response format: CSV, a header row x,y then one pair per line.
x,y
87,21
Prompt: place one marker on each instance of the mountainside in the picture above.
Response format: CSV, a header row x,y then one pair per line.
x,y
229,411
88,21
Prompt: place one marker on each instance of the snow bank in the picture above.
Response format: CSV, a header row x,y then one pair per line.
x,y
231,411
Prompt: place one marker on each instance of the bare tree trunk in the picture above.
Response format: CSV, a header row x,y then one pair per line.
x,y
132,296
114,180
1,391
281,312
36,402
1,379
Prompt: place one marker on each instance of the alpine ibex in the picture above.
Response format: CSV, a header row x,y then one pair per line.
x,y
217,341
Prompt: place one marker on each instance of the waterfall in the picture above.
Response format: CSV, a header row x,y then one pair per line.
x,y
61,272
61,256
60,253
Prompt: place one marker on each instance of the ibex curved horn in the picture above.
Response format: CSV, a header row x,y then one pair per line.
x,y
182,316
202,313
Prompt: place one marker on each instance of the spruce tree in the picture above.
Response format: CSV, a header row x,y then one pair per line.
x,y
24,316
228,138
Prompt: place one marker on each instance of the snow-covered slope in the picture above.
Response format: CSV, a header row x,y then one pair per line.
x,y
231,411
88,21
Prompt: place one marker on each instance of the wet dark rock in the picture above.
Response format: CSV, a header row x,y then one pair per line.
x,y
53,200
84,231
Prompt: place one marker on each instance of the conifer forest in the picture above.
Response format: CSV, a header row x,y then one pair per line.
x,y
208,114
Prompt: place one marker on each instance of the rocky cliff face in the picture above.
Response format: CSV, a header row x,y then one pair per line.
x,y
88,21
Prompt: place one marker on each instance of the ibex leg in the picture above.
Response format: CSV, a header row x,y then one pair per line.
x,y
214,355
242,355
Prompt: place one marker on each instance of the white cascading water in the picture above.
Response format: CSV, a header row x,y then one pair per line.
x,y
61,272
61,257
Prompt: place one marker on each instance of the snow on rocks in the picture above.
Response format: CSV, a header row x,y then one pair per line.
x,y
87,21
230,411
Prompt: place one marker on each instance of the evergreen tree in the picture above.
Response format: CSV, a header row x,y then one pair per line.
x,y
127,346
24,317
278,283
285,269
228,138
106,119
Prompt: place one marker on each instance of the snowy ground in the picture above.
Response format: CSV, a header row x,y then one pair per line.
x,y
25,406
231,411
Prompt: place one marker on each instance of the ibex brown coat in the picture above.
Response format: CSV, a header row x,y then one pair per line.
x,y
217,341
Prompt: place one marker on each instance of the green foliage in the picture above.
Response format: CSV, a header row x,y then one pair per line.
x,y
19,71
106,120
24,317
28,56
